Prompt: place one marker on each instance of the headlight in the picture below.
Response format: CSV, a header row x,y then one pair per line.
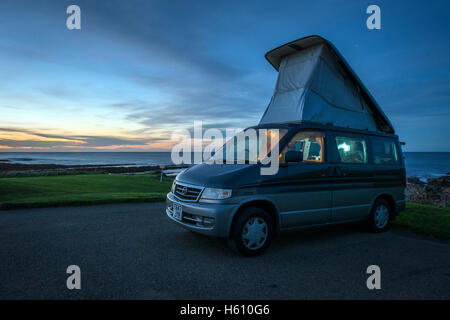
x,y
216,194
173,185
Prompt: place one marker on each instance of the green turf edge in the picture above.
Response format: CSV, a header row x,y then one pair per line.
x,y
425,219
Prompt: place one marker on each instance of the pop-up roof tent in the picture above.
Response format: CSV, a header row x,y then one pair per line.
x,y
316,84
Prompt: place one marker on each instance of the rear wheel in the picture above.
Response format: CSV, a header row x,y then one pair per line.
x,y
252,232
380,216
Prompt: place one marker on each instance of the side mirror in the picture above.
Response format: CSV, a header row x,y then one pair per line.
x,y
293,156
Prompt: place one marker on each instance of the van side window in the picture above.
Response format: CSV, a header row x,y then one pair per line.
x,y
309,142
352,150
384,151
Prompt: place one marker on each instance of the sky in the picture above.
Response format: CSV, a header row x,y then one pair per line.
x,y
138,70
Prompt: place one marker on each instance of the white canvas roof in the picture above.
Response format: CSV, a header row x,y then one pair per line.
x,y
316,84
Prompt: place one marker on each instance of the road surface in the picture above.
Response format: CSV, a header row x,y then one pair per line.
x,y
132,251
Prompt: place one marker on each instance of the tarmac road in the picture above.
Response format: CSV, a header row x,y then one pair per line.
x,y
133,251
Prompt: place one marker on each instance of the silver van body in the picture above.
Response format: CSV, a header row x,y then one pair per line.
x,y
300,195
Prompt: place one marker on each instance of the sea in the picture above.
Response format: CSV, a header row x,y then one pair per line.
x,y
418,164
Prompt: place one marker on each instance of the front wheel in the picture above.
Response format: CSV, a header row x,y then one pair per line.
x,y
252,232
380,216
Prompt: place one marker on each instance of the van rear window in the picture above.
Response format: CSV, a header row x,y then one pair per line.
x,y
384,151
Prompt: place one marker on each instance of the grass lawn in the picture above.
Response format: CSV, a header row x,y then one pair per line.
x,y
83,188
425,219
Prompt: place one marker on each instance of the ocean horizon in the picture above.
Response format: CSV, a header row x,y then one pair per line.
x,y
418,164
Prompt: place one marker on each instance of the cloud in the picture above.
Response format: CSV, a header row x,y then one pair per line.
x,y
210,100
147,53
155,66
32,139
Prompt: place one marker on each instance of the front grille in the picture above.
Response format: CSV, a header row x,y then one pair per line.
x,y
187,192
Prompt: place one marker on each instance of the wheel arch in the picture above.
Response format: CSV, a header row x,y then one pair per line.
x,y
263,204
390,200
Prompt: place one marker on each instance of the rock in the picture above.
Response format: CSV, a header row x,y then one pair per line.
x,y
444,180
436,191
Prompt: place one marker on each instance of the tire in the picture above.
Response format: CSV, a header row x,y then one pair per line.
x,y
252,232
380,216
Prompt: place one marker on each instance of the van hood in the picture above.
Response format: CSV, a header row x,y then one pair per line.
x,y
221,175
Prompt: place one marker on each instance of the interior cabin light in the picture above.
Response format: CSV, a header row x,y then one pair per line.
x,y
344,146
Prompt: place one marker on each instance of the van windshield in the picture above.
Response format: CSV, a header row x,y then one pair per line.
x,y
249,146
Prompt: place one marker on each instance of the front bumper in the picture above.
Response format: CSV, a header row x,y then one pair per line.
x,y
206,218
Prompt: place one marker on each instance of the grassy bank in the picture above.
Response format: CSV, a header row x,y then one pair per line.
x,y
82,189
425,219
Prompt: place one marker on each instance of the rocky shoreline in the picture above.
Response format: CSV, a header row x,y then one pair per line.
x,y
434,191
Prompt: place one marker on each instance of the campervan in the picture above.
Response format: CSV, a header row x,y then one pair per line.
x,y
340,160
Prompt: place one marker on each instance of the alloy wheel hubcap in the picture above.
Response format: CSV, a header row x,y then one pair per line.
x,y
254,233
381,216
